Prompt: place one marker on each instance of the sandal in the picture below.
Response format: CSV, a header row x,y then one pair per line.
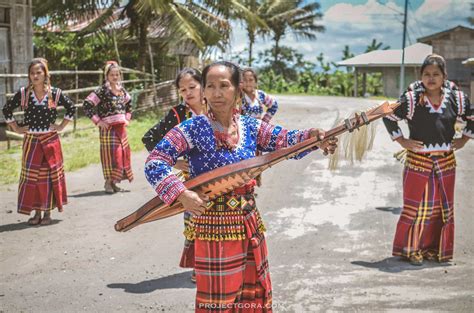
x,y
416,259
117,188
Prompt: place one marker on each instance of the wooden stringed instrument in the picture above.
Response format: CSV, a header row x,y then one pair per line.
x,y
224,179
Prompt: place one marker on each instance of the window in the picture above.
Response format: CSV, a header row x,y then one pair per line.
x,y
4,15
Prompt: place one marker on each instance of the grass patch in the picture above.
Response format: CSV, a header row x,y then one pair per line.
x,y
80,148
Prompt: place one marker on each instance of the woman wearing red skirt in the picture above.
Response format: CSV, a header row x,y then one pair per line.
x,y
430,107
42,183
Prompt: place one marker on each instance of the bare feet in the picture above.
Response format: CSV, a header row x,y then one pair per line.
x,y
46,218
35,220
108,187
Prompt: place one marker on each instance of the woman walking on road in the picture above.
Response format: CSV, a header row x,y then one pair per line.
x,y
110,108
232,272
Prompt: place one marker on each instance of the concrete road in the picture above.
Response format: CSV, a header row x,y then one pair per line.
x,y
329,237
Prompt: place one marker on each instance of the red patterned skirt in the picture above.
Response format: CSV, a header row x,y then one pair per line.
x,y
115,153
230,259
42,182
426,224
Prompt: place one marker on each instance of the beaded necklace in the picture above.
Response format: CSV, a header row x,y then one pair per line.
x,y
226,137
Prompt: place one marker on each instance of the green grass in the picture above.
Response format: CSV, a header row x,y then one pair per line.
x,y
80,148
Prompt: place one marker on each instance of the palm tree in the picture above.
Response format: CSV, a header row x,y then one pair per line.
x,y
283,16
374,45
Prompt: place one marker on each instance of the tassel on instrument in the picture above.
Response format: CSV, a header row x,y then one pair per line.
x,y
353,145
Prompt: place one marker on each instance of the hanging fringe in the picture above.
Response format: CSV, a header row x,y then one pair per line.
x,y
401,156
354,145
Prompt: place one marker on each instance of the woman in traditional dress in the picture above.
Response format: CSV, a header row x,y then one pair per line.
x,y
110,108
431,106
230,250
254,100
188,83
42,183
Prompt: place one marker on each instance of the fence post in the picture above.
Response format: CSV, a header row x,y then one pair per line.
x,y
77,99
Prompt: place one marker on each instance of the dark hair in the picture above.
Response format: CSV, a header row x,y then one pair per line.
x,y
250,70
434,59
195,74
233,68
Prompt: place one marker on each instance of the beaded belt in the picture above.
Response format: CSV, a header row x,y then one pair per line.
x,y
439,161
224,219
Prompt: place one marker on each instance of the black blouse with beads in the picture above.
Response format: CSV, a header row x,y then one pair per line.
x,y
175,116
432,124
39,114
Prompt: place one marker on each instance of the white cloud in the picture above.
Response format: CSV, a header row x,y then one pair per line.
x,y
357,25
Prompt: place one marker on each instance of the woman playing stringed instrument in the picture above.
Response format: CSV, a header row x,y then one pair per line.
x,y
430,107
230,250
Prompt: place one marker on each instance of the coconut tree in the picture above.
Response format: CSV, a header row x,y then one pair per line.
x,y
291,16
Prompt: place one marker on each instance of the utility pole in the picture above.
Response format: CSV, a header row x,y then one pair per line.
x,y
402,68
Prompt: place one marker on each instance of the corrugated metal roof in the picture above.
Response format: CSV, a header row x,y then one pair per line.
x,y
469,61
414,56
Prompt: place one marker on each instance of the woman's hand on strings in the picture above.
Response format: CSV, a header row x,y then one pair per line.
x,y
182,165
193,202
410,144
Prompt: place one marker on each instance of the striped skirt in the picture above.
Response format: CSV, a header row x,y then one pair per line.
x,y
426,224
42,182
230,261
115,153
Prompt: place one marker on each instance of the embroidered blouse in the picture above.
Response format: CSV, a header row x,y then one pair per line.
x,y
431,124
102,104
175,116
255,108
38,114
195,139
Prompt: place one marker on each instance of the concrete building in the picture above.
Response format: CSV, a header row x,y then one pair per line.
x,y
388,63
456,45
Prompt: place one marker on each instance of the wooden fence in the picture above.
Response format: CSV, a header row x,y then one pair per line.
x,y
145,91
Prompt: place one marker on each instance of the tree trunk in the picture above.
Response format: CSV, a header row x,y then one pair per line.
x,y
142,46
251,42
277,50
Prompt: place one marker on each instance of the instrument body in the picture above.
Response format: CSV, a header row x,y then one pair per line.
x,y
224,179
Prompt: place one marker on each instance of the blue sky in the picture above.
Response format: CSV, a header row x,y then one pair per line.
x,y
357,22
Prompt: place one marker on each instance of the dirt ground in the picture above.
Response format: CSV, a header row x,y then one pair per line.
x,y
329,237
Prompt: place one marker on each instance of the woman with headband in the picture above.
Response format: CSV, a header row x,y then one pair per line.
x,y
42,183
109,107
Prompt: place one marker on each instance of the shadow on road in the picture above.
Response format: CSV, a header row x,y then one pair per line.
x,y
180,280
24,225
393,210
94,194
397,265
